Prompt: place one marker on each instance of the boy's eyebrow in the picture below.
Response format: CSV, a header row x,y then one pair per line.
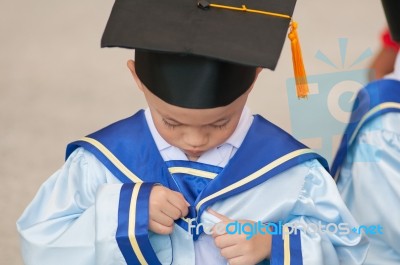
x,y
173,120
177,122
221,120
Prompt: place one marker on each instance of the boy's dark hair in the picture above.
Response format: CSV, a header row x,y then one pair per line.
x,y
392,12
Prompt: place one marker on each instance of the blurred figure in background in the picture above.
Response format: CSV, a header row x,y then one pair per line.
x,y
383,62
367,165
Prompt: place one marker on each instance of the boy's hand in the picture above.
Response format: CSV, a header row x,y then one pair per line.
x,y
165,206
236,248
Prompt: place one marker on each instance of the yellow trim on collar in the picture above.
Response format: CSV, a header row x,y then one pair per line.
x,y
112,158
255,175
374,110
192,171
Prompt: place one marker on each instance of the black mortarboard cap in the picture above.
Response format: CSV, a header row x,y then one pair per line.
x,y
200,54
392,12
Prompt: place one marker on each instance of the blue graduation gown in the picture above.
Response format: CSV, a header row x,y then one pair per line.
x,y
376,99
367,167
281,178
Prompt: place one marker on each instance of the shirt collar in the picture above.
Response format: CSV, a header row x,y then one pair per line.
x,y
160,142
240,132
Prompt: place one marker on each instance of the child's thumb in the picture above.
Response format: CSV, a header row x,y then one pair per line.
x,y
222,217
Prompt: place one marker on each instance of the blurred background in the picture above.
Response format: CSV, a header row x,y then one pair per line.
x,y
57,85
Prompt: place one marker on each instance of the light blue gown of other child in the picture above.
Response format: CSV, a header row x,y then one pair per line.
x,y
369,181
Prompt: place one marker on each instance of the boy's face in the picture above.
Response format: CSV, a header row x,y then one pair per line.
x,y
194,131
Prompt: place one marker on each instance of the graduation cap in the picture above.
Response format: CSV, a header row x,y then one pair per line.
x,y
392,12
203,54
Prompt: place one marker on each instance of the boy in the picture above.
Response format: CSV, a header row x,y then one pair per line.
x,y
150,189
367,164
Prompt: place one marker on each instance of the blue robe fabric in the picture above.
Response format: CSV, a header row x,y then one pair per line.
x,y
376,99
143,158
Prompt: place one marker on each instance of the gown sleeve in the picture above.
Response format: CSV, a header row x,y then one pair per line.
x,y
320,226
369,182
305,201
83,215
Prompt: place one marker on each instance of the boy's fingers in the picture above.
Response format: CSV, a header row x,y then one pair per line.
x,y
169,202
218,229
231,252
241,260
224,241
180,195
177,200
171,211
222,217
159,228
162,219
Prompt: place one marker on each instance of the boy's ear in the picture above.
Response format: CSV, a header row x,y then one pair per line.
x,y
259,69
131,66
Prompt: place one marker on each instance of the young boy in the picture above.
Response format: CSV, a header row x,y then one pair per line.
x,y
367,164
194,178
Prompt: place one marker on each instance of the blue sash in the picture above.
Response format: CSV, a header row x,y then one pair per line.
x,y
128,150
377,98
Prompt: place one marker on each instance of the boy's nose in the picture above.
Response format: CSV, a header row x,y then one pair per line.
x,y
196,140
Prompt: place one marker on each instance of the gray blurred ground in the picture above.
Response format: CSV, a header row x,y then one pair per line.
x,y
56,84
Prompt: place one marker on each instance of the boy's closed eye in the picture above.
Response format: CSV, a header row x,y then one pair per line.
x,y
171,124
220,124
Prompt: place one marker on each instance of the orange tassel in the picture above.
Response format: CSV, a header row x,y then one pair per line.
x,y
298,65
